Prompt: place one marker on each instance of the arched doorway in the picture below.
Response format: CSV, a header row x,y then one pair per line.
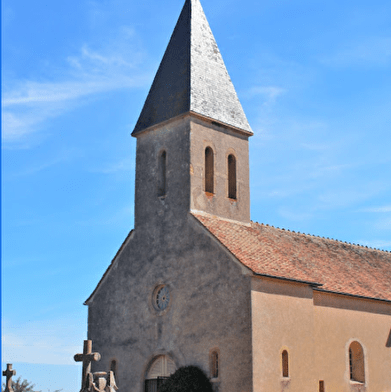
x,y
158,371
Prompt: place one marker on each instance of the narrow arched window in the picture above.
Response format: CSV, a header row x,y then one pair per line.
x,y
214,364
285,364
231,176
113,366
162,173
209,170
356,362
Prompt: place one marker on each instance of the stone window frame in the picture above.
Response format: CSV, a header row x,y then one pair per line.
x,y
152,296
212,364
353,378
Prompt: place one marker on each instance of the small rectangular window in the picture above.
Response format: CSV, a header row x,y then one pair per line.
x,y
162,172
321,386
214,364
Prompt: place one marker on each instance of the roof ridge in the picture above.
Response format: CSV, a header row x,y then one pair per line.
x,y
323,238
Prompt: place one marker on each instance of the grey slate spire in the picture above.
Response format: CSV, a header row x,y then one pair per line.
x,y
192,77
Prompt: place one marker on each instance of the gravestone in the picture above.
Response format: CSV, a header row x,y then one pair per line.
x,y
98,381
8,373
87,357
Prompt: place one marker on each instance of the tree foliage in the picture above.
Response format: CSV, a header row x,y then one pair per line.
x,y
187,379
20,386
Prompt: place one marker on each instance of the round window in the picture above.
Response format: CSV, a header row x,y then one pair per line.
x,y
161,297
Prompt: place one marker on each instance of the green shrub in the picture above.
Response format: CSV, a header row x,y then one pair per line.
x,y
187,379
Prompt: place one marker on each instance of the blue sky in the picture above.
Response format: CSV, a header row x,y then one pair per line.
x,y
314,79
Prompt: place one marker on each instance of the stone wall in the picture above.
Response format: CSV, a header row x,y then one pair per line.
x,y
210,298
316,329
223,141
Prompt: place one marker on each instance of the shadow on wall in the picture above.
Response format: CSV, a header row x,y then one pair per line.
x,y
388,344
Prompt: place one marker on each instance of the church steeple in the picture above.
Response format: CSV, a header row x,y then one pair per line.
x,y
192,134
192,77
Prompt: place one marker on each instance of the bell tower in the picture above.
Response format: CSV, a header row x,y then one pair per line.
x,y
192,134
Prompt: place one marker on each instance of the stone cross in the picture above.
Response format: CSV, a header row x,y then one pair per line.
x,y
87,357
9,373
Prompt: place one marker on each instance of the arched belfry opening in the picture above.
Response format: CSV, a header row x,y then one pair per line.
x,y
158,371
232,188
209,170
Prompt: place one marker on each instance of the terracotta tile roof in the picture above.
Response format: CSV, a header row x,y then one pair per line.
x,y
337,266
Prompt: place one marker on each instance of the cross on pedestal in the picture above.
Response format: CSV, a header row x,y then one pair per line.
x,y
87,357
9,373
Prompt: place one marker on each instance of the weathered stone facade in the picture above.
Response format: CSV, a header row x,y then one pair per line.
x,y
209,290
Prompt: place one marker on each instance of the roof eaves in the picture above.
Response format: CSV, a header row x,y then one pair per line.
x,y
223,124
196,115
312,284
352,295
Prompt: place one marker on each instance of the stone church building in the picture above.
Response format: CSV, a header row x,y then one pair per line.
x,y
196,282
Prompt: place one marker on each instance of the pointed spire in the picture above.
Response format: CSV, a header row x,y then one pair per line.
x,y
192,77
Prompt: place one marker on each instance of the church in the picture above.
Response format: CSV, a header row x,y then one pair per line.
x,y
196,282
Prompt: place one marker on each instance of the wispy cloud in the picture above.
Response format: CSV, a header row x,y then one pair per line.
x,y
123,214
126,164
381,209
47,341
27,104
270,93
293,215
31,93
375,51
65,155
343,197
